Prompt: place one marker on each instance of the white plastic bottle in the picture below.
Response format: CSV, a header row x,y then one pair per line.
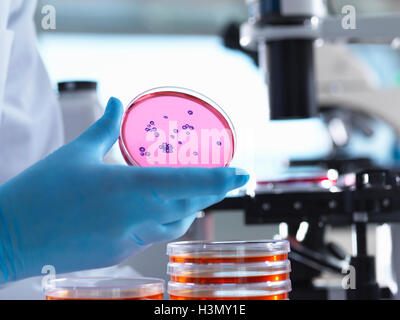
x,y
80,107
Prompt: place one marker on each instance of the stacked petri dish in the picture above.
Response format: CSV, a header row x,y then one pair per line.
x,y
229,270
104,288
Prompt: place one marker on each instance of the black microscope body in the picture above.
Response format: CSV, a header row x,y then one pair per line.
x,y
283,42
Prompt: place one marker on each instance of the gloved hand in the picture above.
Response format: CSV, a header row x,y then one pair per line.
x,y
74,212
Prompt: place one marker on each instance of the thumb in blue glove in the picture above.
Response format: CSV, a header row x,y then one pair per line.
x,y
74,212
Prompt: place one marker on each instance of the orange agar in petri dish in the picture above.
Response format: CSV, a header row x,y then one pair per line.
x,y
278,277
229,273
204,252
107,288
176,127
218,259
250,291
153,297
283,296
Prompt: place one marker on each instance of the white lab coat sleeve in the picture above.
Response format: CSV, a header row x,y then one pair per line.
x,y
30,118
6,39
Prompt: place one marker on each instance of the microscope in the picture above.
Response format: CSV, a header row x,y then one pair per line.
x,y
281,36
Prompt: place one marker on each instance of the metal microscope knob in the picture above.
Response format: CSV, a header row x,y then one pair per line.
x,y
373,179
395,179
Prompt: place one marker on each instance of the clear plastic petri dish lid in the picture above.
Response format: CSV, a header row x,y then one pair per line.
x,y
176,127
236,291
228,251
229,272
104,288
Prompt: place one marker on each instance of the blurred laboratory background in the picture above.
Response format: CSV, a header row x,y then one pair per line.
x,y
130,46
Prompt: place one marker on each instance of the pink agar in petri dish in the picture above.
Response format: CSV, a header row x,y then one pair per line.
x,y
176,127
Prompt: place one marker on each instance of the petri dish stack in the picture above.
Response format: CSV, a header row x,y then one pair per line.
x,y
229,270
104,288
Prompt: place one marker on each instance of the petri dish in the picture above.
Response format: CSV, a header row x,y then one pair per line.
x,y
107,288
202,252
230,291
229,272
176,127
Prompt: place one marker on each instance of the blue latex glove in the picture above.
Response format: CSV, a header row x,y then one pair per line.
x,y
74,212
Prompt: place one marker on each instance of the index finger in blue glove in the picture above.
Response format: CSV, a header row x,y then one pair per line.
x,y
180,183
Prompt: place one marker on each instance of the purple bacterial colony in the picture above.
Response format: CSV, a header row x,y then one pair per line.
x,y
166,147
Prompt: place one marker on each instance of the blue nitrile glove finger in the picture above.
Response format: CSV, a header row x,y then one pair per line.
x,y
186,207
162,232
188,182
74,212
